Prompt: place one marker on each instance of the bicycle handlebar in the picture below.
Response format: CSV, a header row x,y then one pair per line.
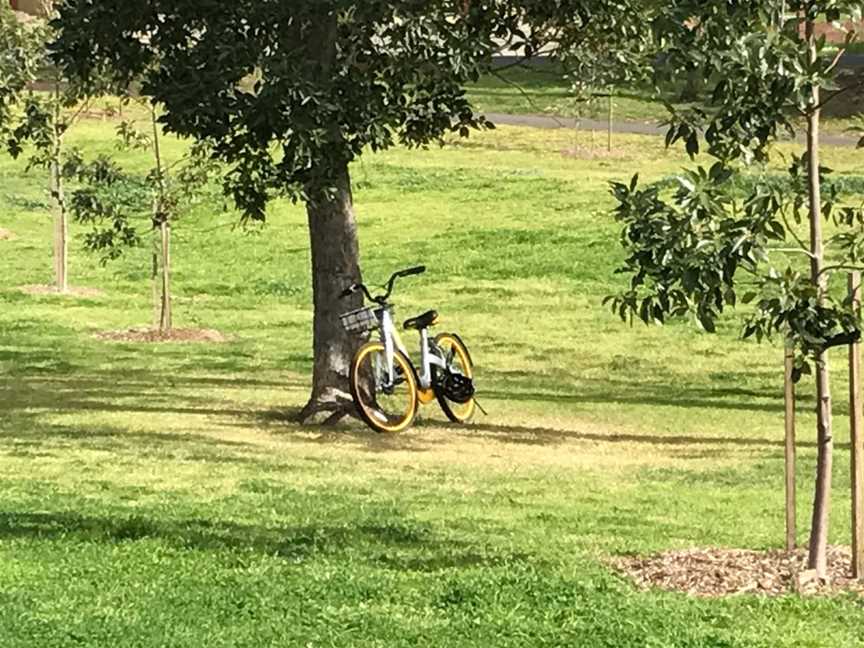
x,y
350,290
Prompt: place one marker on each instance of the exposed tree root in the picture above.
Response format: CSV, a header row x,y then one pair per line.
x,y
328,408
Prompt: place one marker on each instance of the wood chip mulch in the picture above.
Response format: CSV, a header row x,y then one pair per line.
x,y
718,572
154,335
6,235
73,291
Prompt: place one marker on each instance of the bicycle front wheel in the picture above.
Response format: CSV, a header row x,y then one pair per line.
x,y
385,405
458,361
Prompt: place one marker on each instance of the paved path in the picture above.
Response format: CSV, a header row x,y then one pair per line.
x,y
633,127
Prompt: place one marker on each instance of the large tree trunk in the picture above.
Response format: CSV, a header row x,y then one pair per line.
x,y
822,495
335,266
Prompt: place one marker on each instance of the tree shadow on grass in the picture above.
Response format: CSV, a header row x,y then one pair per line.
x,y
128,391
283,423
656,395
754,390
24,402
401,544
531,435
26,436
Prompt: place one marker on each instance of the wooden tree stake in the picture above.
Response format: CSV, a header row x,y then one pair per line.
x,y
857,439
789,451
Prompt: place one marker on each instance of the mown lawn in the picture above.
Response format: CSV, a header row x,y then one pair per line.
x,y
543,89
159,495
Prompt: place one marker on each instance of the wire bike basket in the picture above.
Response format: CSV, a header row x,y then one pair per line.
x,y
361,320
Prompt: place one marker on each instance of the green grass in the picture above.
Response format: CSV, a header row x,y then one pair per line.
x,y
158,495
543,90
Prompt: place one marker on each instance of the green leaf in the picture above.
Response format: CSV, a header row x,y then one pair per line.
x,y
706,319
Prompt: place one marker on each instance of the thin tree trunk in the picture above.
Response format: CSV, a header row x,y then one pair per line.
x,y
166,320
154,278
52,192
162,217
61,227
63,243
822,496
61,219
335,266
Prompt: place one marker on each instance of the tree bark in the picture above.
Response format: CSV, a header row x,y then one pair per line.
x,y
335,266
335,262
822,496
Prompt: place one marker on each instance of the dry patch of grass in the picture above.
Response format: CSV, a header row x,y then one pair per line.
x,y
155,335
72,291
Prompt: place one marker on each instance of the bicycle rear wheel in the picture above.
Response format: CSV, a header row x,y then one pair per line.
x,y
383,406
458,361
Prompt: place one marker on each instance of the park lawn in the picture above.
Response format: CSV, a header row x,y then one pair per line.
x,y
156,495
541,89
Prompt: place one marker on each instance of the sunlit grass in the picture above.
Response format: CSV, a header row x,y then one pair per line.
x,y
160,495
542,89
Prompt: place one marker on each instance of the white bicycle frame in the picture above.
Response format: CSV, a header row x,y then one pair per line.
x,y
392,342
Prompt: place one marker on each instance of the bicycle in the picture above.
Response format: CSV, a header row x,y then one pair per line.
x,y
385,385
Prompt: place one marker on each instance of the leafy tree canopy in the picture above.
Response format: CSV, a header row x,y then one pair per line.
x,y
730,232
290,92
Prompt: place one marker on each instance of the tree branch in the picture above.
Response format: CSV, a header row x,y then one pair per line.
x,y
80,111
839,266
525,96
793,251
792,231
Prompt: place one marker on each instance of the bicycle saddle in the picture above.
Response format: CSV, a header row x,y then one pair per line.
x,y
423,321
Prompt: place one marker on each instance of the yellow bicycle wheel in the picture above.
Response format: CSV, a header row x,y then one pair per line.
x,y
385,406
458,361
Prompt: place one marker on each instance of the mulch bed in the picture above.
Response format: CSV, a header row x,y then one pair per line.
x,y
154,335
717,572
74,291
6,235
